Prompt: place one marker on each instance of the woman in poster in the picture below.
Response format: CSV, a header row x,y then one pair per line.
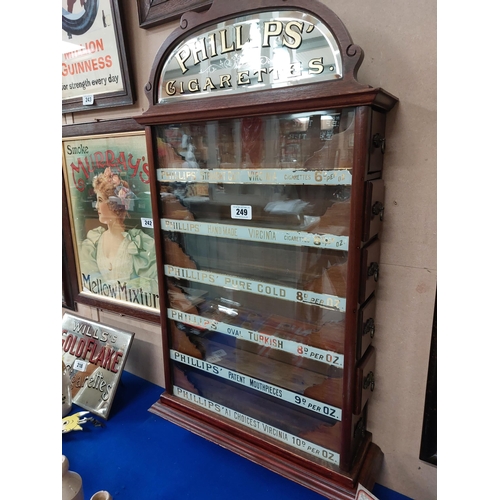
x,y
115,253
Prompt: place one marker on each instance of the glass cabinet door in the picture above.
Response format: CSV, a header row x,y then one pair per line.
x,y
255,218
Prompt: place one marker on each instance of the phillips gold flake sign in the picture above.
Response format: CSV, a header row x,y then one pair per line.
x,y
248,53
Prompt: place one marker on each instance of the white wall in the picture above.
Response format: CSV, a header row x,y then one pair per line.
x,y
399,41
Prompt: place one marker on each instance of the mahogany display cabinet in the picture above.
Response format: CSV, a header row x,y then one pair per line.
x,y
268,204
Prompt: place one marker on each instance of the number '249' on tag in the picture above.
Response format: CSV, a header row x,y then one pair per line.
x,y
241,212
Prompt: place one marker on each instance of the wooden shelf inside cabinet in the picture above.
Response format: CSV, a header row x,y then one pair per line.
x,y
269,416
250,369
308,268
268,200
306,323
186,328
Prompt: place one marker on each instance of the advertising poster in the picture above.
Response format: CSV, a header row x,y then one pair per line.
x,y
108,189
91,63
94,355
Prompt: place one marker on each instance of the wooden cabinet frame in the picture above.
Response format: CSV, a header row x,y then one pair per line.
x,y
360,459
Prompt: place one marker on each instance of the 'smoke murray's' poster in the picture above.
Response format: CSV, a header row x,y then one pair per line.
x,y
108,186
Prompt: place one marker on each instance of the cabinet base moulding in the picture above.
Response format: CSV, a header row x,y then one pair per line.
x,y
336,485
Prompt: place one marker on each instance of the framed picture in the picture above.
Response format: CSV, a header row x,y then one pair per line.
x,y
67,296
154,12
107,220
68,262
95,70
428,444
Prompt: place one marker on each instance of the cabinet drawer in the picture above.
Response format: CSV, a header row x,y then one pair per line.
x,y
369,275
365,380
377,142
366,327
374,208
358,429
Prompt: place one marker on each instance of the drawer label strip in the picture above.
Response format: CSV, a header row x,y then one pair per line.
x,y
286,176
260,234
290,346
258,385
326,301
256,425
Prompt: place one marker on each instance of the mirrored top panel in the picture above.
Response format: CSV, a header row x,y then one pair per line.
x,y
248,53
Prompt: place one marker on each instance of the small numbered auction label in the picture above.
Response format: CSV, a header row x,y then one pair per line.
x,y
88,100
147,222
241,212
80,365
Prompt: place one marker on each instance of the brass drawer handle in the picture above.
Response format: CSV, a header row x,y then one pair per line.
x,y
369,381
360,429
373,270
379,142
369,327
378,209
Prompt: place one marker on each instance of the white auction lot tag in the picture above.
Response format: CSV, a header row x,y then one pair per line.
x,y
241,212
147,222
80,365
88,100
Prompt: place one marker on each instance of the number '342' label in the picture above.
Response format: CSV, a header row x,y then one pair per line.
x,y
241,212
